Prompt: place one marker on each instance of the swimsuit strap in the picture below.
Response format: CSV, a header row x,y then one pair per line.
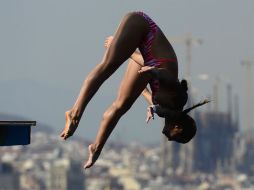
x,y
166,60
156,62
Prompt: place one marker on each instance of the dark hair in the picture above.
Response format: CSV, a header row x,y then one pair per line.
x,y
189,129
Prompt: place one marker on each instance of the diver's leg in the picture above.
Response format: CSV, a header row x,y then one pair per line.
x,y
131,87
127,38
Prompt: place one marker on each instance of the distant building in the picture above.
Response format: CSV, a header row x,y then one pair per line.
x,y
9,178
214,143
66,174
246,163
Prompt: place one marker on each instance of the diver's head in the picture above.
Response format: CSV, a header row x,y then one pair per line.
x,y
181,130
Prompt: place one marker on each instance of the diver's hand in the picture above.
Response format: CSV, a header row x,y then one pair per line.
x,y
147,69
108,41
149,114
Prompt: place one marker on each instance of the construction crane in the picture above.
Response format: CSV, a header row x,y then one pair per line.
x,y
189,41
247,66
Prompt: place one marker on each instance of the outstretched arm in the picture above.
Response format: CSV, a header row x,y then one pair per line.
x,y
147,95
160,111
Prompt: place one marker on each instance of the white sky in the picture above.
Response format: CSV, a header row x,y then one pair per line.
x,y
48,47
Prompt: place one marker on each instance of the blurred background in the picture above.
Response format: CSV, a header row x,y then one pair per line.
x,y
47,48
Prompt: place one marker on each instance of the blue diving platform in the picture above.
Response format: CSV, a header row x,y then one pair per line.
x,y
15,132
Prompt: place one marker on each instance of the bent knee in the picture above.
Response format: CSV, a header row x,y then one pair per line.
x,y
117,109
120,107
130,15
123,106
133,16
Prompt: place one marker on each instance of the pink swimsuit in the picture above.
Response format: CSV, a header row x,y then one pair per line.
x,y
146,51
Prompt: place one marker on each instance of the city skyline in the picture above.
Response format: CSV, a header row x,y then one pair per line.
x,y
48,48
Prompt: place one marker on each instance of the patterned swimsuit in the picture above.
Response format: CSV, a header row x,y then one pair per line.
x,y
146,51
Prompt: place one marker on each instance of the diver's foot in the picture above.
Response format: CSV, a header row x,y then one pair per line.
x,y
92,157
71,125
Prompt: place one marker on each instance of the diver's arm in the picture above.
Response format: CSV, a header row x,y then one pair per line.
x,y
147,95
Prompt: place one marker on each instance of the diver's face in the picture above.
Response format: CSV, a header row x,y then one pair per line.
x,y
172,131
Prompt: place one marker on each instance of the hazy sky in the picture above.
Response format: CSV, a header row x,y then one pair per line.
x,y
48,47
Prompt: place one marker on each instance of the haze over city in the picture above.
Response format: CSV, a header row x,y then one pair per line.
x,y
48,47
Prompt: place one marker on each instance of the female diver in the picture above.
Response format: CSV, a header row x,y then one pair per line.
x,y
157,66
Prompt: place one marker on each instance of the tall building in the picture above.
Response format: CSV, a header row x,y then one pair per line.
x,y
66,174
9,178
214,142
245,163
